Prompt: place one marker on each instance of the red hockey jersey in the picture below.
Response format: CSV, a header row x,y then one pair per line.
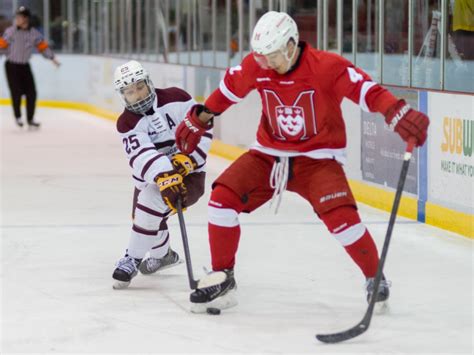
x,y
301,112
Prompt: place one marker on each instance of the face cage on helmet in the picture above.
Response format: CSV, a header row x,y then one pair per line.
x,y
143,105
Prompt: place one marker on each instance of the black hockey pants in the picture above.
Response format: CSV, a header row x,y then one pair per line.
x,y
21,82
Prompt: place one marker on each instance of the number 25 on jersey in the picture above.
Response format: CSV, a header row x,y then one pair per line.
x,y
131,143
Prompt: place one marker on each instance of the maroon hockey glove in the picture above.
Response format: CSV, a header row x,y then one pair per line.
x,y
407,122
190,131
171,188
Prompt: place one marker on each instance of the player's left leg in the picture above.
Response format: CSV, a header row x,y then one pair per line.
x,y
13,73
323,183
30,92
161,256
345,225
157,260
149,233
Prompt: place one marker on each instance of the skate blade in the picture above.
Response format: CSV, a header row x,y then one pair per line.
x,y
229,300
381,307
171,265
161,268
119,285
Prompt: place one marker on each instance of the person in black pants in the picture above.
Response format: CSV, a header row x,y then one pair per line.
x,y
20,40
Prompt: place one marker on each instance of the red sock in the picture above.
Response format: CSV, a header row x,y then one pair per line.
x,y
223,227
364,253
224,242
363,250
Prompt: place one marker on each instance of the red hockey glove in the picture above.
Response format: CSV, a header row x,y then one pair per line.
x,y
407,122
190,131
171,188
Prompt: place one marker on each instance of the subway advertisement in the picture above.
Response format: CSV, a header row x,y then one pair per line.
x,y
451,164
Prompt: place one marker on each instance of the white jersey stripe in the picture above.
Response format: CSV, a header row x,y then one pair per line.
x,y
366,86
229,94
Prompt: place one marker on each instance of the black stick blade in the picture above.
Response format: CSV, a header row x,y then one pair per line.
x,y
343,336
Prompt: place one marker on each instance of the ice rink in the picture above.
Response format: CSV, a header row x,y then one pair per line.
x,y
66,194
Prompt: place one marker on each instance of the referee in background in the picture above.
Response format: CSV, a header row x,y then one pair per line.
x,y
19,40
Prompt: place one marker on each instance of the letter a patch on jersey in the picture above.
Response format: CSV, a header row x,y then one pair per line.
x,y
171,123
291,122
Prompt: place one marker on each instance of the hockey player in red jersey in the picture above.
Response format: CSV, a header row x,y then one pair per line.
x,y
162,174
300,147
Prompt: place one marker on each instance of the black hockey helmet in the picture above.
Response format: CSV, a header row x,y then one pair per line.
x,y
23,11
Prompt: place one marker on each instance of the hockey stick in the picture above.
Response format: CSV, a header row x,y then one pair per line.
x,y
363,325
192,283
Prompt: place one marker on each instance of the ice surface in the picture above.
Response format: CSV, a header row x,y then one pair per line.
x,y
65,217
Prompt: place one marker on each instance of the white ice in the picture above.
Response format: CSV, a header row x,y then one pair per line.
x,y
65,219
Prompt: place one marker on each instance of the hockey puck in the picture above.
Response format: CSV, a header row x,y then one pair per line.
x,y
213,311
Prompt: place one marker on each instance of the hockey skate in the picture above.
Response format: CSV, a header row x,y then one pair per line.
x,y
215,290
19,122
126,270
33,125
151,265
383,293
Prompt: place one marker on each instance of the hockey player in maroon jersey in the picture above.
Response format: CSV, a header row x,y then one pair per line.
x,y
162,174
300,147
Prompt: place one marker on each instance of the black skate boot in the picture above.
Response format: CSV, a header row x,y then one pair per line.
x,y
215,290
151,265
33,124
19,121
125,271
383,292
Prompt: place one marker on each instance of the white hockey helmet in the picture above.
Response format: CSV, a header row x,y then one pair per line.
x,y
132,73
272,33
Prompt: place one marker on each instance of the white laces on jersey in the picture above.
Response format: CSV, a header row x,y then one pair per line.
x,y
279,180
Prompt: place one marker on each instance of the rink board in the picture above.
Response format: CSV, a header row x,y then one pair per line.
x,y
441,189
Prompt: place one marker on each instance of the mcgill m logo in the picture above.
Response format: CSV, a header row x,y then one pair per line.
x,y
293,122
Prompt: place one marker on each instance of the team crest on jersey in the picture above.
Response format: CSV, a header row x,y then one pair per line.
x,y
290,119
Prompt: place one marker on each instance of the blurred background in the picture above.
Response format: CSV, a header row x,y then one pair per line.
x,y
421,50
411,43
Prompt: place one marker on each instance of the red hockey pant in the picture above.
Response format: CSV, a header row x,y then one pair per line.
x,y
244,187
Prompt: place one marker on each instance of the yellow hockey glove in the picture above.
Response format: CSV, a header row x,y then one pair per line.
x,y
172,188
183,164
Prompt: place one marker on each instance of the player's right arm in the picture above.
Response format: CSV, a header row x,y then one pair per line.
x,y
238,81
